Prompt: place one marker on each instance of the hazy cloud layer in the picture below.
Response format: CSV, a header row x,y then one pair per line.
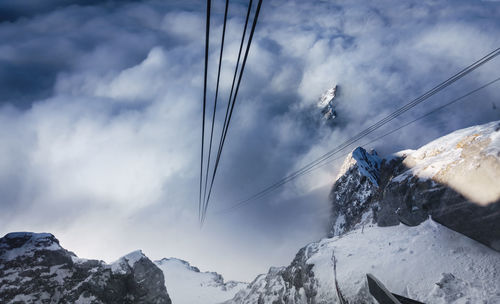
x,y
101,107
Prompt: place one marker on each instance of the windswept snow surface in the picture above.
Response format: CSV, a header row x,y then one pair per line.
x,y
187,285
468,160
428,263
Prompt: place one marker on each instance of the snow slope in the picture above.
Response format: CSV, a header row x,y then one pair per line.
x,y
187,285
410,261
429,263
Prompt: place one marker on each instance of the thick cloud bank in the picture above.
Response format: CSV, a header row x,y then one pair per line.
x,y
100,108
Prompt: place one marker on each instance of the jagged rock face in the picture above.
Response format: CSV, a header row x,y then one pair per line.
x,y
455,179
357,190
353,192
283,285
34,268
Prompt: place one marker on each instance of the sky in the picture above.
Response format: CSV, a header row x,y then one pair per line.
x,y
101,106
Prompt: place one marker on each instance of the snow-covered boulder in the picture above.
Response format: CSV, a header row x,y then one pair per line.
x,y
34,268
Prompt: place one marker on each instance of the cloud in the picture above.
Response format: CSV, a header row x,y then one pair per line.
x,y
101,106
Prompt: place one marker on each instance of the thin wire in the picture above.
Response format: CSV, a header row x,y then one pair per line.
x,y
234,102
215,101
374,127
235,75
230,95
380,123
241,204
207,37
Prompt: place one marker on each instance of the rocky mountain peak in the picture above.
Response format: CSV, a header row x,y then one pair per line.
x,y
25,244
366,163
127,262
34,268
325,103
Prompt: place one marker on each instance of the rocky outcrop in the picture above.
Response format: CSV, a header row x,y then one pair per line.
x,y
354,191
34,268
283,285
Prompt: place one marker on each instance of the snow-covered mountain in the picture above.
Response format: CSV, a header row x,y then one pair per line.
x,y
186,284
428,263
325,103
34,268
425,222
455,180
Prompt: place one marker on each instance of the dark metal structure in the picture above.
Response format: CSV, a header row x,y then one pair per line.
x,y
383,295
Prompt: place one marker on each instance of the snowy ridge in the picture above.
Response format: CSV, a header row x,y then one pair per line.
x,y
186,284
409,261
428,263
466,160
18,244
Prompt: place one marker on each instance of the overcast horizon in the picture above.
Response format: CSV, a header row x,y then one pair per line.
x,y
101,102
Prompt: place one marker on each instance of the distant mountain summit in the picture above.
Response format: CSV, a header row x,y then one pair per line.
x,y
326,104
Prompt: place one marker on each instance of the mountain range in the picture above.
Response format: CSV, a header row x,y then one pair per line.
x,y
425,222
